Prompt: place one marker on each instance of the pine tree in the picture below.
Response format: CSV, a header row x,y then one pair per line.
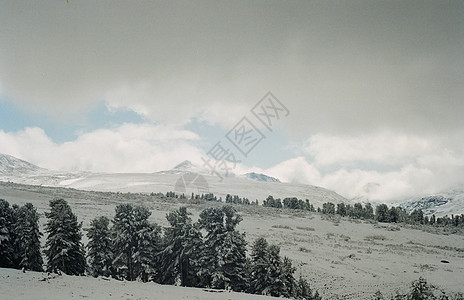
x,y
135,243
275,286
6,239
287,278
234,261
381,213
99,247
223,268
64,249
148,244
180,258
123,232
303,289
27,240
259,266
420,290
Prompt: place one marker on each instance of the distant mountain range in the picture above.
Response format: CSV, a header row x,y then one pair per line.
x,y
253,186
250,185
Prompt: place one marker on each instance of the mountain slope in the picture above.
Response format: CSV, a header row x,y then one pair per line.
x,y
10,165
445,203
165,181
261,177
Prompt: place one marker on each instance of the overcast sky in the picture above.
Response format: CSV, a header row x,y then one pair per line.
x,y
374,89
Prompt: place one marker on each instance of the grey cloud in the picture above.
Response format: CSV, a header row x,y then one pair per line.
x,y
339,66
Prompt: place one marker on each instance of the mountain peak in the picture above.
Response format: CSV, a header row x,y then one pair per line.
x,y
11,165
261,177
185,165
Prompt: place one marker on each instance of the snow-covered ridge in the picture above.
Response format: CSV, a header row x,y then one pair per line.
x,y
10,165
261,177
445,203
165,181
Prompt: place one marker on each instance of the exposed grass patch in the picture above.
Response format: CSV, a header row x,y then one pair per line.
x,y
282,226
377,237
305,228
345,237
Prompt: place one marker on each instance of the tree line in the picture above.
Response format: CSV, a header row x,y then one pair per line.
x,y
381,213
210,252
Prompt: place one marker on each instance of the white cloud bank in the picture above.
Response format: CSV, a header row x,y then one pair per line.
x,y
380,167
127,148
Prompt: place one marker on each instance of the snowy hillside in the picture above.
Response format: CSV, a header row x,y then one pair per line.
x,y
10,165
342,258
445,203
165,181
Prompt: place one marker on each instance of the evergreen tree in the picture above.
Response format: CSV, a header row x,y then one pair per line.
x,y
368,211
225,248
420,290
259,280
234,261
123,233
148,246
328,208
135,243
341,209
99,247
180,258
275,285
6,239
64,249
288,279
27,240
393,215
358,211
382,214
303,289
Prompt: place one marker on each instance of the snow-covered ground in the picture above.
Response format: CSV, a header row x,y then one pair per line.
x,y
342,258
16,285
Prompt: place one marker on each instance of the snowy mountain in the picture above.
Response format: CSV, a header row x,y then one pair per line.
x,y
188,166
445,203
183,178
10,165
261,177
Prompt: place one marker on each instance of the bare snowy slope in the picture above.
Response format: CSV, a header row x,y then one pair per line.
x,y
10,165
342,258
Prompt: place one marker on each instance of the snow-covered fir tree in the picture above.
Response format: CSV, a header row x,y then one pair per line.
x,y
287,278
147,248
64,249
135,243
224,268
99,247
183,246
275,286
6,238
259,280
27,241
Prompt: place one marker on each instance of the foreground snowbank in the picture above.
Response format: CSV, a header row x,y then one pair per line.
x,y
14,284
